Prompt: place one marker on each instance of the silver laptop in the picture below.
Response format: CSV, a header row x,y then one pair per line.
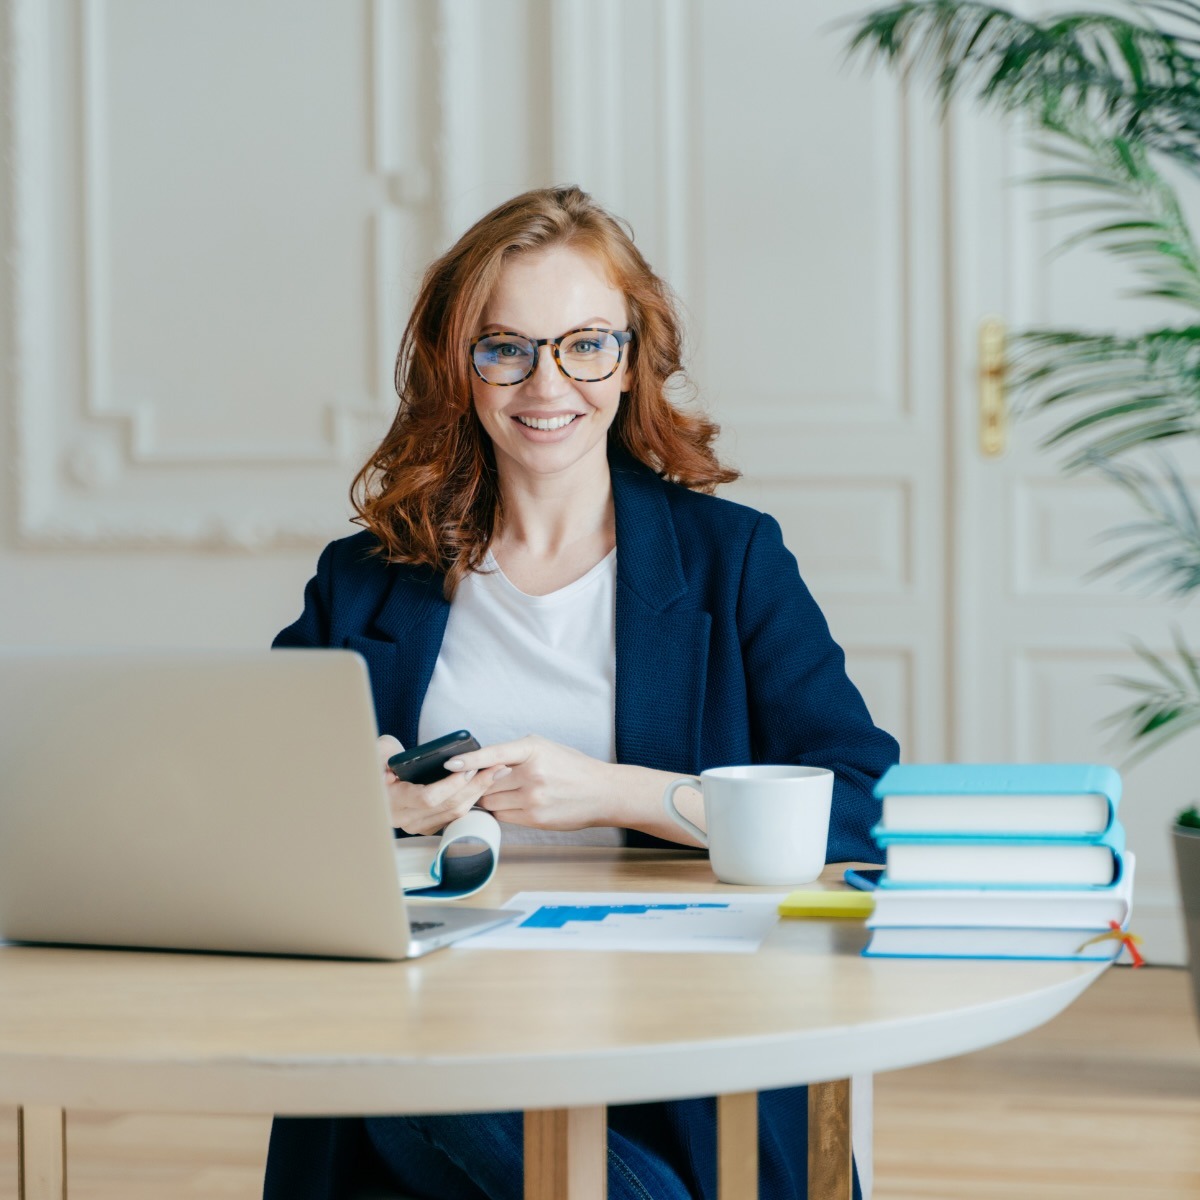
x,y
228,801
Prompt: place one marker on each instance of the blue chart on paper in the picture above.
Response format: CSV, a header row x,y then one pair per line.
x,y
645,921
557,916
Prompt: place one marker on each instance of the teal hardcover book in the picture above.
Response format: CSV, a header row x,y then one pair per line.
x,y
1007,908
1017,800
959,860
933,942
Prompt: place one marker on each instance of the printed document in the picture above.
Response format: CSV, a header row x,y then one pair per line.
x,y
701,923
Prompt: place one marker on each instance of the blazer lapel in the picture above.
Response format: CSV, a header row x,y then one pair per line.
x,y
401,648
662,641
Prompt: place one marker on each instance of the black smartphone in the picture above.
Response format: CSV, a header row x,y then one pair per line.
x,y
426,763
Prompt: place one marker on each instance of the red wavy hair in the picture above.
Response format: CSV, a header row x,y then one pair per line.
x,y
429,491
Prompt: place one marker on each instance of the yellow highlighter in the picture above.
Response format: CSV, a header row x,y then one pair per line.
x,y
848,905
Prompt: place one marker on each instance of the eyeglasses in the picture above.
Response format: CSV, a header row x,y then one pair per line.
x,y
585,355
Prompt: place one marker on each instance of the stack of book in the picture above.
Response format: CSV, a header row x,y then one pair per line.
x,y
982,861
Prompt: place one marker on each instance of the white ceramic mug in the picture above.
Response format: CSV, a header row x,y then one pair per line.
x,y
766,825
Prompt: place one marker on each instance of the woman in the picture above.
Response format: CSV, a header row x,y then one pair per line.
x,y
542,564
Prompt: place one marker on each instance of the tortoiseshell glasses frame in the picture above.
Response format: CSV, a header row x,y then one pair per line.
x,y
622,337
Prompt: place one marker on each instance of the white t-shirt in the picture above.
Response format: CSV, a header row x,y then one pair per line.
x,y
513,664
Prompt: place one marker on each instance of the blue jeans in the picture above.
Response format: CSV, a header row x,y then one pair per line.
x,y
480,1156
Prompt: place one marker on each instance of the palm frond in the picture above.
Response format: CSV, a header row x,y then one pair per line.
x,y
1133,390
1139,80
1168,703
1165,552
1134,212
1086,81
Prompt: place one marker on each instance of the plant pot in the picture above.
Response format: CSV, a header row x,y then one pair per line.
x,y
1187,863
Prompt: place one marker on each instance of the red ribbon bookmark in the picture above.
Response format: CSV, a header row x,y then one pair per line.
x,y
1130,941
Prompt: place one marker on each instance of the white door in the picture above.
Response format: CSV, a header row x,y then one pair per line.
x,y
1036,643
832,218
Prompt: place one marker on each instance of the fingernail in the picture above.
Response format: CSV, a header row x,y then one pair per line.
x,y
500,774
454,764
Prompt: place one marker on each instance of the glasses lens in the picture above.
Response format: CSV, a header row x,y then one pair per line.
x,y
588,355
503,357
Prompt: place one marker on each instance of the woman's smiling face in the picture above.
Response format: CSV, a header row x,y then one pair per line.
x,y
548,424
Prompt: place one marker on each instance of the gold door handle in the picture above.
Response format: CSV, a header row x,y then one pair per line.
x,y
993,413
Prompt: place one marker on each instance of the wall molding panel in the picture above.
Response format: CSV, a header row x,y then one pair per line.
x,y
1061,527
96,464
676,65
587,109
461,108
887,677
901,273
337,433
852,537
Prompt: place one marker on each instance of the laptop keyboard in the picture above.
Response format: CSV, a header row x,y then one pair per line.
x,y
422,926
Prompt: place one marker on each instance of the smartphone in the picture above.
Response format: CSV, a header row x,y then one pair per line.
x,y
426,763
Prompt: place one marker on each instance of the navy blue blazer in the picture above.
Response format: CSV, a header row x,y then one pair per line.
x,y
722,658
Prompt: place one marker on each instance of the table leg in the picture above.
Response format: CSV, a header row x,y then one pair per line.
x,y
737,1146
41,1153
566,1154
829,1170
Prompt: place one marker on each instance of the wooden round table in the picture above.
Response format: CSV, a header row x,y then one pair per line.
x,y
560,1035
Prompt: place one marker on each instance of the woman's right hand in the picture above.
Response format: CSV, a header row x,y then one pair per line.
x,y
429,808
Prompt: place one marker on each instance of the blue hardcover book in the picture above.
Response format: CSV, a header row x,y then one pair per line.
x,y
1068,945
971,861
1019,800
1007,908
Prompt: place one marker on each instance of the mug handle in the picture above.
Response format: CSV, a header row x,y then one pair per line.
x,y
675,814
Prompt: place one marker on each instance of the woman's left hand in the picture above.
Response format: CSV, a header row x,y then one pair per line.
x,y
551,786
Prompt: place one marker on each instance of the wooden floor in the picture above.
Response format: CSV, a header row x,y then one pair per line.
x,y
1103,1102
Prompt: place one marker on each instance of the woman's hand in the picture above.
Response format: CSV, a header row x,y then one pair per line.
x,y
549,786
429,808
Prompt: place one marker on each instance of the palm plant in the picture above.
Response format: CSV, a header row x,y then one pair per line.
x,y
1112,98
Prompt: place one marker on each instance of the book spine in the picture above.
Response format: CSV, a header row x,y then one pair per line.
x,y
885,837
867,952
1113,837
1000,779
